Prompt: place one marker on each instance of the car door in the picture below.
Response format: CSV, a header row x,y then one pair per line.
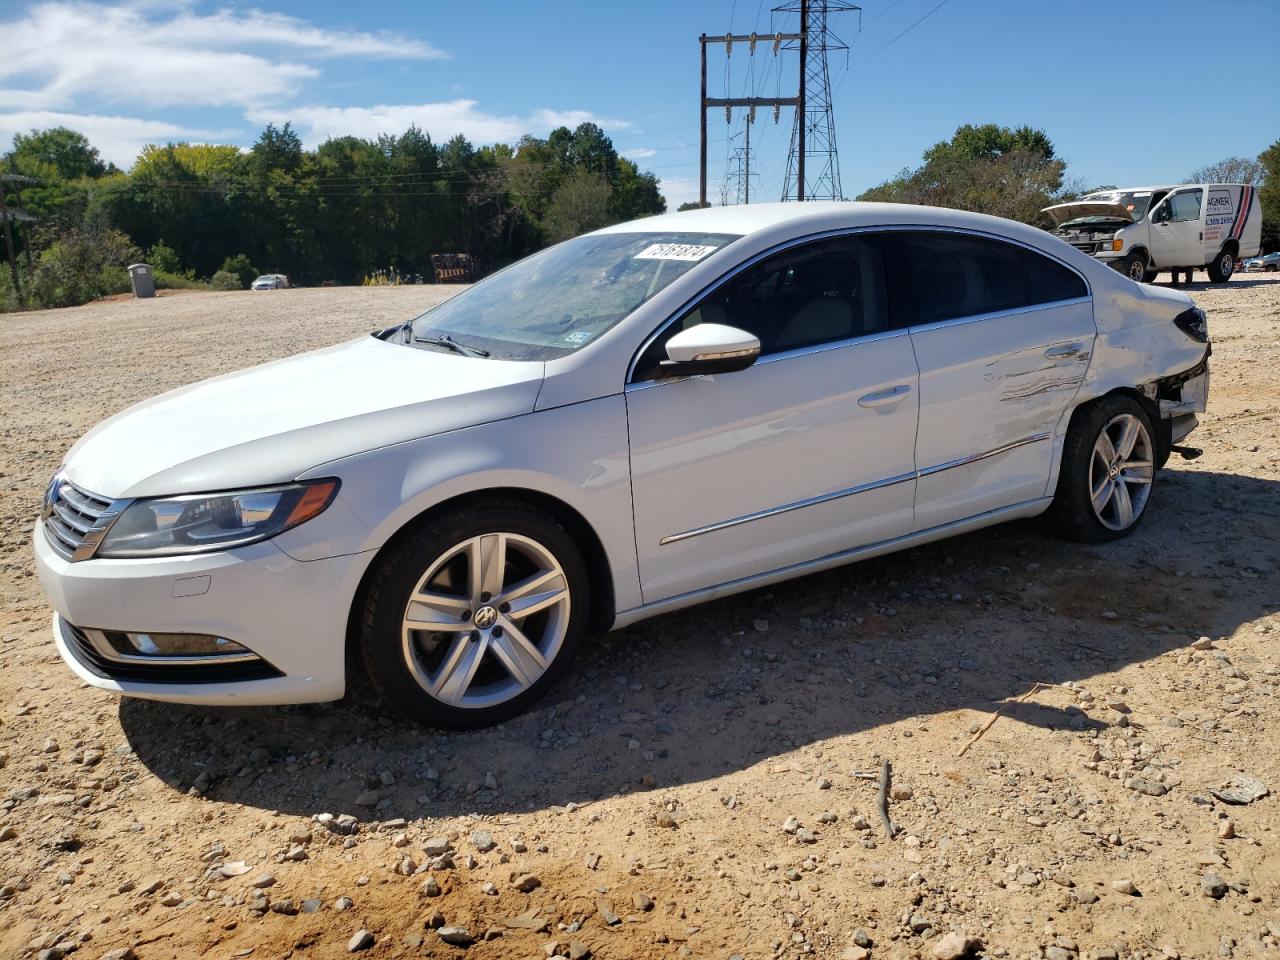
x,y
1002,336
1177,231
806,453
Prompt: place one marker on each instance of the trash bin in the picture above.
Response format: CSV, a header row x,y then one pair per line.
x,y
144,284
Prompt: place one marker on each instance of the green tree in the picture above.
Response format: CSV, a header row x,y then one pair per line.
x,y
58,153
580,204
82,266
1005,172
161,256
1269,197
240,268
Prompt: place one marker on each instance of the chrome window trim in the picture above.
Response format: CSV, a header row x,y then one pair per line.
x,y
846,232
851,491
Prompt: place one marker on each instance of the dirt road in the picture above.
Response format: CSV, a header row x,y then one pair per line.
x,y
691,790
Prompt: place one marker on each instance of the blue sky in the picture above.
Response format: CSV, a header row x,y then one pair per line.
x,y
1130,93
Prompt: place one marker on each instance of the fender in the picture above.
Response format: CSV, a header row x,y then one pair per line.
x,y
588,468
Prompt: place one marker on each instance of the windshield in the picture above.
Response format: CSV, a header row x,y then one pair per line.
x,y
1135,201
559,300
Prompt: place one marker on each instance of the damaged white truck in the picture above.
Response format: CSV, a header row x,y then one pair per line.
x,y
1142,231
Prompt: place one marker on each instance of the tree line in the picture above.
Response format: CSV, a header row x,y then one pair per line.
x,y
212,215
348,209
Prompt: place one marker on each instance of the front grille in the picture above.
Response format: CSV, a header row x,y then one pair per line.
x,y
73,519
84,650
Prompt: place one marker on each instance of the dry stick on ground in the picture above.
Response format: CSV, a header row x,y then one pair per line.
x,y
995,716
890,828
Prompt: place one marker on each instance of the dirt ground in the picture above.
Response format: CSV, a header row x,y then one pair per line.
x,y
651,794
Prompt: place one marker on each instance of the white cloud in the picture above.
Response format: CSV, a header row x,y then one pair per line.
x,y
639,153
118,139
442,120
678,190
550,119
60,52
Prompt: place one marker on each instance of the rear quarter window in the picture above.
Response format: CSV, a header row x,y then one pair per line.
x,y
948,276
1048,280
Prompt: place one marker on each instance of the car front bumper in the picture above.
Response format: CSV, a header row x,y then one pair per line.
x,y
292,614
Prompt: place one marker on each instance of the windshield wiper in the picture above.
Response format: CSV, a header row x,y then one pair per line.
x,y
446,341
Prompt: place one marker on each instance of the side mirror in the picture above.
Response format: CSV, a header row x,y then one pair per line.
x,y
709,348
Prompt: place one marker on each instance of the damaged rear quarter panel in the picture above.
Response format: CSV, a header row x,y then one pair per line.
x,y
1137,344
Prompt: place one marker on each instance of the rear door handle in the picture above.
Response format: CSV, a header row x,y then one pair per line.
x,y
1065,351
882,397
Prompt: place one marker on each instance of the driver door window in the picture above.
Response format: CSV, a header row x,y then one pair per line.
x,y
1185,205
823,292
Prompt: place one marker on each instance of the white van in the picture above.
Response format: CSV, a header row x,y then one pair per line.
x,y
1143,230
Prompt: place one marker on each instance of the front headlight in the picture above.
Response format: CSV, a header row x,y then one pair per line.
x,y
167,526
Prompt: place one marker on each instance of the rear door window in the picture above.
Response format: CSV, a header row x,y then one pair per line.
x,y
952,275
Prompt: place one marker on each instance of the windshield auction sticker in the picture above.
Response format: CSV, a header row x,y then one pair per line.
x,y
674,251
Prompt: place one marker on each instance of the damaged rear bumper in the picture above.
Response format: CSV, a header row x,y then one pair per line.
x,y
1179,398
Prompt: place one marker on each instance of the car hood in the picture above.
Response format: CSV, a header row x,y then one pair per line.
x,y
269,424
1062,212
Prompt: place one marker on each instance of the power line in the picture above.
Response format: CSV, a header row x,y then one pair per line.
x,y
906,31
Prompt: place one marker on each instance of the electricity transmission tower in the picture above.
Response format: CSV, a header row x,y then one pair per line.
x,y
738,175
813,163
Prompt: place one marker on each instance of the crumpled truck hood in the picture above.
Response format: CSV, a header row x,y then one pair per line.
x,y
269,424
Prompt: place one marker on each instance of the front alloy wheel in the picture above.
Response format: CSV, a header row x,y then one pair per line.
x,y
486,620
473,614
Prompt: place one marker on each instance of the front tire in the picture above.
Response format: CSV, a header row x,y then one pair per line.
x,y
1108,471
1222,267
1134,266
474,615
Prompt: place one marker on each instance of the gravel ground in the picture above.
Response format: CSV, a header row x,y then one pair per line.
x,y
693,788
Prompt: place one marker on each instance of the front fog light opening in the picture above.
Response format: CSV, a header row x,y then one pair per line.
x,y
160,646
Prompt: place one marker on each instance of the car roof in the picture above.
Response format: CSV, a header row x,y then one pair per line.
x,y
810,216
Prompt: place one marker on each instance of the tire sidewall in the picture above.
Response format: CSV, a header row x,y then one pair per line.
x,y
1073,505
398,574
1135,264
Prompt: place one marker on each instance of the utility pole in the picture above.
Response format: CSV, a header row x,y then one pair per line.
x,y
801,119
702,120
750,103
8,237
813,165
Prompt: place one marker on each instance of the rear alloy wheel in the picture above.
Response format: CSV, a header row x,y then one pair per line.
x,y
474,617
1221,269
1108,470
1134,266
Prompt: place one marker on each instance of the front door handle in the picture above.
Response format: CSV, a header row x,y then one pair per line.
x,y
882,397
1064,351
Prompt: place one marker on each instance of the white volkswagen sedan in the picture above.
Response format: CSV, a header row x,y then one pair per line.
x,y
636,420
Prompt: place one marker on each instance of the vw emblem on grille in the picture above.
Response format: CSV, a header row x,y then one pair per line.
x,y
486,617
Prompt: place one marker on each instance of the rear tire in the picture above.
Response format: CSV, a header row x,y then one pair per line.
x,y
475,615
1134,266
1222,267
1108,471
